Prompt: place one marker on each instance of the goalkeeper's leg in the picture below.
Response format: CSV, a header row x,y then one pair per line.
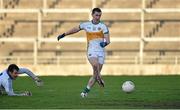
x,y
2,90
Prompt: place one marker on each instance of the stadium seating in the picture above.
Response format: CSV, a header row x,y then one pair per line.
x,y
163,4
25,25
119,3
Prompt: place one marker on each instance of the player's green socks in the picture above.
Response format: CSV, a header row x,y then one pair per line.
x,y
86,90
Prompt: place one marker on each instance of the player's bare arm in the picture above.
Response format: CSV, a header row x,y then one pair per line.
x,y
72,31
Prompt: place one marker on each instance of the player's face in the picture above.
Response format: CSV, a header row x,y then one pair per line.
x,y
96,16
14,74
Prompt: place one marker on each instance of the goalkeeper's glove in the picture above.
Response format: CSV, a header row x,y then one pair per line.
x,y
27,93
61,36
103,44
38,82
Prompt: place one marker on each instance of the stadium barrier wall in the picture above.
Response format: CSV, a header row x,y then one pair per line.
x,y
81,69
108,69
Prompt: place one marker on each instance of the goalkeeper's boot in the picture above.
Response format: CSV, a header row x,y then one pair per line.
x,y
1,92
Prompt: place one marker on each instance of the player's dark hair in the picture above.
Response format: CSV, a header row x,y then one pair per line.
x,y
96,10
12,67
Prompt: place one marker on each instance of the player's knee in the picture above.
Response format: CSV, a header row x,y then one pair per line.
x,y
95,69
95,65
94,76
97,77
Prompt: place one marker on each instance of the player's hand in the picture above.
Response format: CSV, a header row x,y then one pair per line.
x,y
103,44
38,82
27,93
61,36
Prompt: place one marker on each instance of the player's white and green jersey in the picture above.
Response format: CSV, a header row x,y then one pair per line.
x,y
95,35
6,80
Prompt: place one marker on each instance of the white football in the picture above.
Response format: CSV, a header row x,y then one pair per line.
x,y
128,86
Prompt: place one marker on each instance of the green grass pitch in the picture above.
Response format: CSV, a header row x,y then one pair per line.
x,y
162,92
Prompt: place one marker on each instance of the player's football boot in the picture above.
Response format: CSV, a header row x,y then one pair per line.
x,y
100,82
83,95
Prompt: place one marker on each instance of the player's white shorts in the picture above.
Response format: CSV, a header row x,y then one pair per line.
x,y
100,55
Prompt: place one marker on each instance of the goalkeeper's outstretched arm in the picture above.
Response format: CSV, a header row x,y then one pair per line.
x,y
25,93
9,90
38,81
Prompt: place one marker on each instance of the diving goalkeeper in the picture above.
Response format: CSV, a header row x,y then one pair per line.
x,y
10,74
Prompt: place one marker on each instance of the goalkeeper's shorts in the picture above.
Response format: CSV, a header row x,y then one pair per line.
x,y
100,55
